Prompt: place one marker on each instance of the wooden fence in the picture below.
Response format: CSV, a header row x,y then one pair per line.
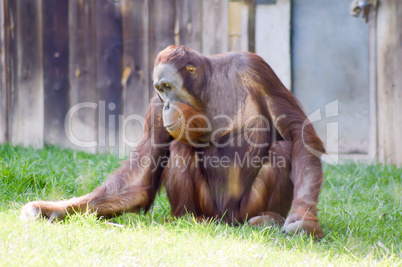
x,y
56,54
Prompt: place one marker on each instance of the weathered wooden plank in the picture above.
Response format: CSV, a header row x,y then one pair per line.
x,y
109,73
55,69
3,85
11,60
252,9
389,81
234,25
26,122
372,136
272,41
244,36
238,26
81,123
161,30
135,76
189,23
215,33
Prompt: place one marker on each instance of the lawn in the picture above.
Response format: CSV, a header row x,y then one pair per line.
x,y
360,212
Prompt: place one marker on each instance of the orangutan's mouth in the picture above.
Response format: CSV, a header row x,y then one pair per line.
x,y
172,126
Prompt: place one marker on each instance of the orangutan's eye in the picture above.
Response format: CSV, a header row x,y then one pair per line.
x,y
192,69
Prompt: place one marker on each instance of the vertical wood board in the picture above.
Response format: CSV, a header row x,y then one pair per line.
x,y
252,6
55,69
189,23
215,35
135,75
109,73
372,83
3,85
161,30
389,81
27,102
81,125
11,61
272,41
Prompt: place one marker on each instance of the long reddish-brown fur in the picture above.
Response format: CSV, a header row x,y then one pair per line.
x,y
259,194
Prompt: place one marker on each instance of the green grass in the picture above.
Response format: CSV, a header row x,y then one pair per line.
x,y
361,214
